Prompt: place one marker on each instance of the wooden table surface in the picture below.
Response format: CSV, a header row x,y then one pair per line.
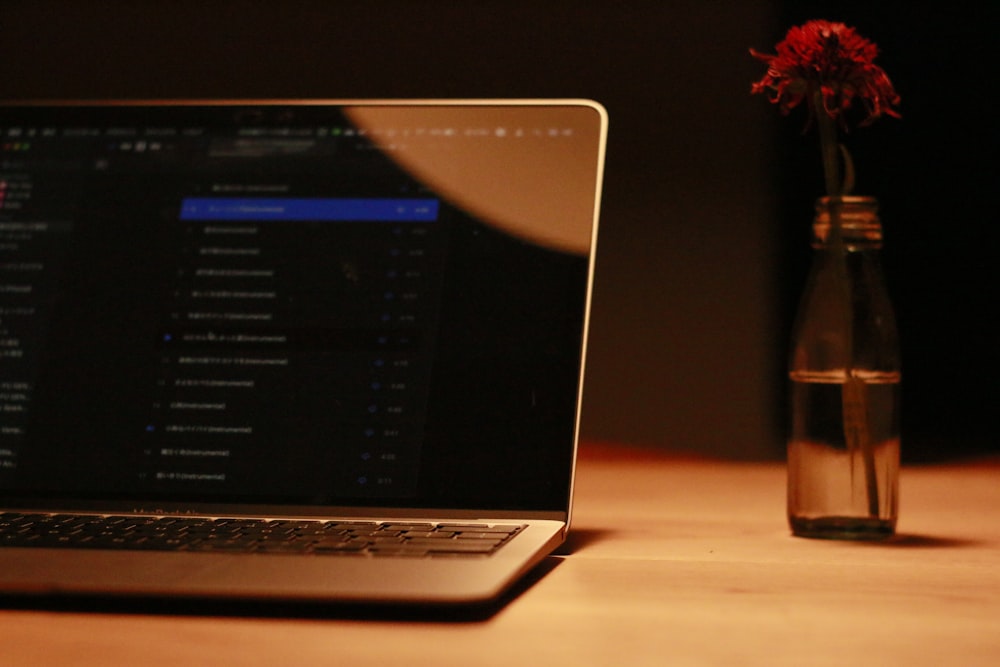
x,y
671,562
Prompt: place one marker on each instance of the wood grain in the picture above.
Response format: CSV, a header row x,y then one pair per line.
x,y
672,562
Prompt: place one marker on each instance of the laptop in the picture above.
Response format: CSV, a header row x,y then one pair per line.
x,y
324,351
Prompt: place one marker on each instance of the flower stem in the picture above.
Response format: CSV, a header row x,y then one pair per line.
x,y
854,392
828,150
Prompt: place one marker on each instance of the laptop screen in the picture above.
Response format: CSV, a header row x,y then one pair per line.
x,y
281,304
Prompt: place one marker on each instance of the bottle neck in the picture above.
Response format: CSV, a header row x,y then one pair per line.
x,y
851,221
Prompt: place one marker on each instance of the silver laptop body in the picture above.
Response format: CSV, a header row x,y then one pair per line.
x,y
346,312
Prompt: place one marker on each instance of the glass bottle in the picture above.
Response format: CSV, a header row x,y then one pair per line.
x,y
844,368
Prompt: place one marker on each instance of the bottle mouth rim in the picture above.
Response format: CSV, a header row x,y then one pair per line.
x,y
858,218
849,207
847,199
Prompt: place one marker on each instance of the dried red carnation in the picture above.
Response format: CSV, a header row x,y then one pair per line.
x,y
830,58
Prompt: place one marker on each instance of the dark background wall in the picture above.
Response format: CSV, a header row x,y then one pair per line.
x,y
705,217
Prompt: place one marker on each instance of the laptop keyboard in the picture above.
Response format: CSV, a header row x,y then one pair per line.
x,y
252,535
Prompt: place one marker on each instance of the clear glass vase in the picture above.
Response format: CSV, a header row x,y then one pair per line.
x,y
844,369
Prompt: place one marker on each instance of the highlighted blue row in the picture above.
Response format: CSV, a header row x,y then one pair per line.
x,y
311,209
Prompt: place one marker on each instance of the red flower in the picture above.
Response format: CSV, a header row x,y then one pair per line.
x,y
834,60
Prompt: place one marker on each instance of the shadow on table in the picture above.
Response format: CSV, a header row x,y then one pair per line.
x,y
914,541
581,538
475,613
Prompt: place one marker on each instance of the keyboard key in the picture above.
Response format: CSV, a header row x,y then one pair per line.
x,y
251,535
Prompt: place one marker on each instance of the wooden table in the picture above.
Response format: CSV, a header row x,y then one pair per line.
x,y
672,562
